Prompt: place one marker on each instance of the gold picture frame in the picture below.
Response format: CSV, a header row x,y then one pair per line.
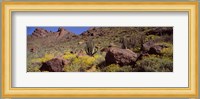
x,y
9,91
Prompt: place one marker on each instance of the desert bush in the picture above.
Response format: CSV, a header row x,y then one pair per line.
x,y
151,38
167,51
84,60
154,63
168,38
72,68
81,63
43,59
112,68
33,68
164,43
116,68
126,69
99,58
69,56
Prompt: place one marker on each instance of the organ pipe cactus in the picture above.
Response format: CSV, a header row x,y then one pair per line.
x,y
124,42
90,48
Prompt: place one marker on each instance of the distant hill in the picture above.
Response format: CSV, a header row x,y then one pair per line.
x,y
103,36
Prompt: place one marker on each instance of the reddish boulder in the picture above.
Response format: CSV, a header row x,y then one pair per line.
x,y
120,56
152,48
155,49
53,65
146,46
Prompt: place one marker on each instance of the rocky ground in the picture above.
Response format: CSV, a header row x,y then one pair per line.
x,y
101,49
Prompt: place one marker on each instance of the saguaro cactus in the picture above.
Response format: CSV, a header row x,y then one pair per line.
x,y
90,48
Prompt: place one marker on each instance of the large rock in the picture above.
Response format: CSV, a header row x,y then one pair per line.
x,y
152,48
120,56
155,49
146,46
53,65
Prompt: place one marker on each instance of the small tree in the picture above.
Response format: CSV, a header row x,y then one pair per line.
x,y
90,48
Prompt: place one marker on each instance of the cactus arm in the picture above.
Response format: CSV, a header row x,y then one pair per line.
x,y
95,51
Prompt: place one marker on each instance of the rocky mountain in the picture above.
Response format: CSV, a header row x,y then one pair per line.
x,y
101,49
97,32
39,32
103,36
43,36
104,31
61,33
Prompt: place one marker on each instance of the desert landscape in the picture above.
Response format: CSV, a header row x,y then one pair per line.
x,y
100,49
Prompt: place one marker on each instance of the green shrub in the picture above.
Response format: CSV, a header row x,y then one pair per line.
x,y
164,43
43,59
33,68
168,51
81,63
117,68
126,69
155,64
112,68
72,67
99,58
168,38
151,38
69,56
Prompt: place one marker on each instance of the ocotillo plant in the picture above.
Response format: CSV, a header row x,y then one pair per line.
x,y
90,48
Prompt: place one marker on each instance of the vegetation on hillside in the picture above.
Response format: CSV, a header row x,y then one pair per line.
x,y
87,52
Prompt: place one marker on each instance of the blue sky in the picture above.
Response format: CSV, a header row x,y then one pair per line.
x,y
76,30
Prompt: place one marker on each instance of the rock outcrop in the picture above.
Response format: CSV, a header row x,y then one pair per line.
x,y
120,56
39,32
53,65
146,46
63,33
152,48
